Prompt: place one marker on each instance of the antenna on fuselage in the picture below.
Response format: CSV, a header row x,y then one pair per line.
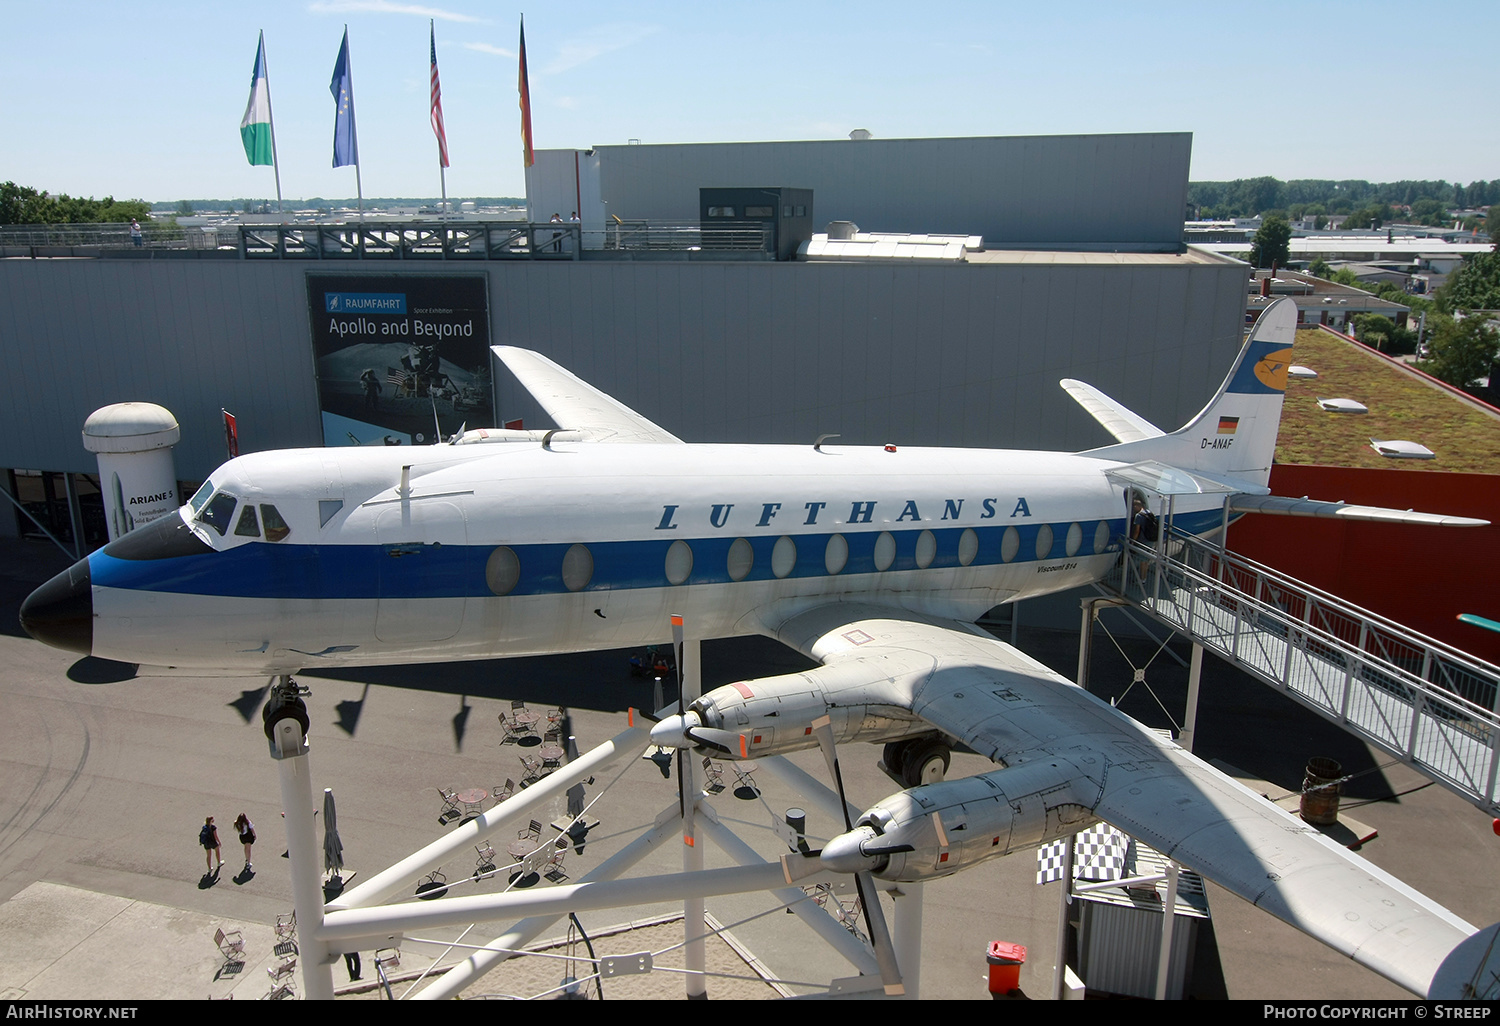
x,y
818,445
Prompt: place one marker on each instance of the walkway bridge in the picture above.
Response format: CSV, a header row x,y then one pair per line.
x,y
1428,704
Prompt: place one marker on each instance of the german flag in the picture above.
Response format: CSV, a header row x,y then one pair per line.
x,y
528,155
1228,424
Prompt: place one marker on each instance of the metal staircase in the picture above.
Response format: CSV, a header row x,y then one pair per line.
x,y
1424,702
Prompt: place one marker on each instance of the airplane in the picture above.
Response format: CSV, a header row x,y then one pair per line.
x,y
874,561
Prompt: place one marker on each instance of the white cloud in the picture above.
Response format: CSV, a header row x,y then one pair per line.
x,y
498,51
602,40
386,7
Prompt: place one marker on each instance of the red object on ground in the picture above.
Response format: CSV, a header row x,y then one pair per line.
x,y
1495,825
1005,960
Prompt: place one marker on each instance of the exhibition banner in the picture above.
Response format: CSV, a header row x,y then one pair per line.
x,y
403,359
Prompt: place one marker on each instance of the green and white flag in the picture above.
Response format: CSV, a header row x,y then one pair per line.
x,y
255,126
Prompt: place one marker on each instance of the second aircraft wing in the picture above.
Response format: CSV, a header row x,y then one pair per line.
x,y
1009,707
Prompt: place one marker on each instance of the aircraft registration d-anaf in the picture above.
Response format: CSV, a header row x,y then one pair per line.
x,y
873,561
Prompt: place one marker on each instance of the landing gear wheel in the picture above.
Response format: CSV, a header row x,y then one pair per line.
x,y
284,702
926,763
894,757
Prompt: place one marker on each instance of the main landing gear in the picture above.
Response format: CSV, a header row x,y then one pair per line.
x,y
917,760
285,701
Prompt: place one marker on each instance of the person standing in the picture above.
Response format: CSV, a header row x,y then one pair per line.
x,y
209,838
246,830
372,388
135,231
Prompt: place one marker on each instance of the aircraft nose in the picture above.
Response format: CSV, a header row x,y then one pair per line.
x,y
61,612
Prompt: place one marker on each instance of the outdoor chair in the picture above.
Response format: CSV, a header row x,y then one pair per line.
x,y
713,776
231,945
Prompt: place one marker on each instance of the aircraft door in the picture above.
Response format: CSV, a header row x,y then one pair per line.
x,y
420,576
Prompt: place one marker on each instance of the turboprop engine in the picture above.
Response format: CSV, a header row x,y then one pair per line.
x,y
938,829
774,715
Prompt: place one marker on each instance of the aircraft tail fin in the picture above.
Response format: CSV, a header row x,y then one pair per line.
x,y
1235,434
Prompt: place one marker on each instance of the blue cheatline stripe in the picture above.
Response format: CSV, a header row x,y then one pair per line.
x,y
275,571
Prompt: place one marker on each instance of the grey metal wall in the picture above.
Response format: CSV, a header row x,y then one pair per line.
x,y
960,356
1088,191
963,355
190,335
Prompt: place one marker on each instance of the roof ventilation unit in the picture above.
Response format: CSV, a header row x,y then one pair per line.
x,y
1343,406
1401,449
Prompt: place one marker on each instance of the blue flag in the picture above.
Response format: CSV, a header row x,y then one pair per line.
x,y
345,143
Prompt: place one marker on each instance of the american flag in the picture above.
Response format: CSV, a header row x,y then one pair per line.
x,y
395,377
437,103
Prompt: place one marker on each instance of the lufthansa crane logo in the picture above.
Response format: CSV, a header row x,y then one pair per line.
x,y
1271,369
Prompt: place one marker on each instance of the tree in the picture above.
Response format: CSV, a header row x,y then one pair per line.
x,y
185,208
1384,334
1462,350
1272,243
1476,284
22,205
1319,268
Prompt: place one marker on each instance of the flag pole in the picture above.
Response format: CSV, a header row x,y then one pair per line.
x,y
442,168
358,188
271,115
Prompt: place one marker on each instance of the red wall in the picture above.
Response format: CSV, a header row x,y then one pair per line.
x,y
1422,577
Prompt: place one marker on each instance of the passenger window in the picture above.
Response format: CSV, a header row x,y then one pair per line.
x,y
218,512
248,526
276,528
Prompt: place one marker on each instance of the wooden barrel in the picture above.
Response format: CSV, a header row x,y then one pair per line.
x,y
1320,795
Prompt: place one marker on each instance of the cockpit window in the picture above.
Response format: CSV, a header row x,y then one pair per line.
x,y
248,526
217,512
201,496
276,528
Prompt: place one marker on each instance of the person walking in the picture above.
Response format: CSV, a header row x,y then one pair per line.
x,y
246,830
209,838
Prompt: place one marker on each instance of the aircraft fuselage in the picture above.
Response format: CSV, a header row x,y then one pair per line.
x,y
368,556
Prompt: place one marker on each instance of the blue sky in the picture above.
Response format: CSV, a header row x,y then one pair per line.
x,y
144,99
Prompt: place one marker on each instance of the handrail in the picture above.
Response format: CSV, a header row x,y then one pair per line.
x,y
1424,701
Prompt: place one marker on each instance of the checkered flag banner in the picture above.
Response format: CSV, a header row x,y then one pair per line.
x,y
1098,854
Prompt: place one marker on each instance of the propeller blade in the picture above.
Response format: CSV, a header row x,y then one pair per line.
x,y
682,804
726,741
880,936
823,731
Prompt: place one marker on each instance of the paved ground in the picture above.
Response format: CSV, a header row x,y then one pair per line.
x,y
104,782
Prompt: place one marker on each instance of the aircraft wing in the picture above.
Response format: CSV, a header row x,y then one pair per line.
x,y
1124,424
1009,707
1305,507
574,404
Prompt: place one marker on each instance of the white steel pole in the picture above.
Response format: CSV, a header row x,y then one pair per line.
x,y
906,938
1064,909
290,751
694,926
399,877
452,983
1168,921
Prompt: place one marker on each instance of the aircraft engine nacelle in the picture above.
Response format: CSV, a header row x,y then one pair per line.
x,y
774,715
938,829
